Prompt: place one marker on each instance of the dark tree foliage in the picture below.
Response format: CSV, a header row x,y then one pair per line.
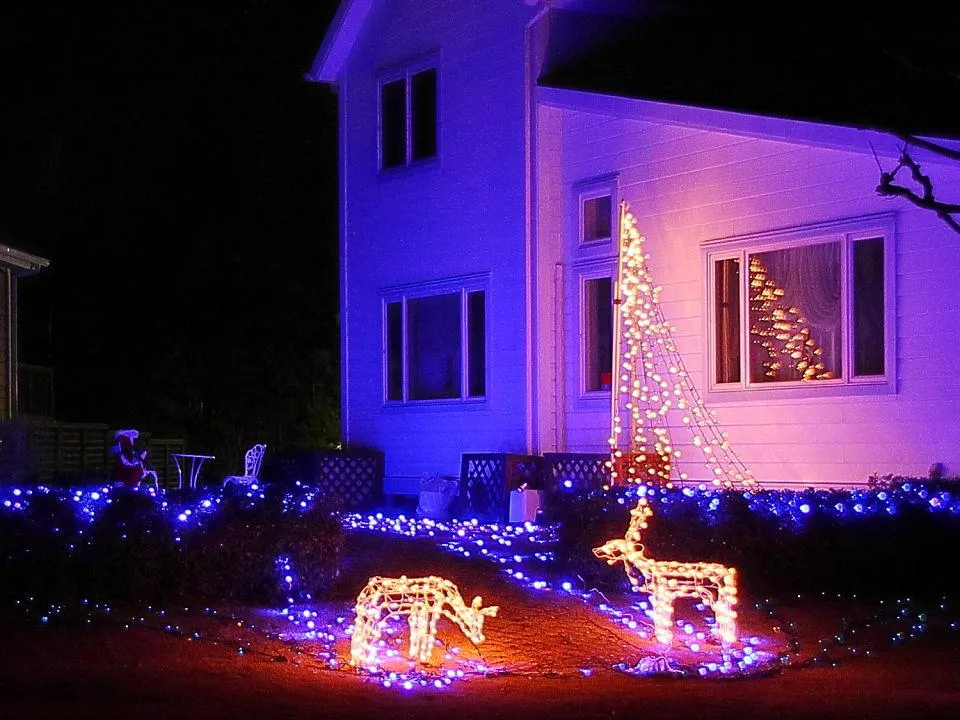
x,y
180,173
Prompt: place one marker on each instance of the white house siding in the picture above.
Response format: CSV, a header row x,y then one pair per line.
x,y
687,186
549,234
461,215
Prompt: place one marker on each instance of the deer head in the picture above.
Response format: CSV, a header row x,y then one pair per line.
x,y
473,618
613,551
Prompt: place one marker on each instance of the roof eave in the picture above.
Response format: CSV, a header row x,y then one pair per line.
x,y
339,40
823,134
21,260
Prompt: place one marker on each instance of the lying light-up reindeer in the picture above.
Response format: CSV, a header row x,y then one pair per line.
x,y
714,584
424,600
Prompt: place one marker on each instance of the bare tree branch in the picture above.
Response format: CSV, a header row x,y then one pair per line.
x,y
926,199
933,147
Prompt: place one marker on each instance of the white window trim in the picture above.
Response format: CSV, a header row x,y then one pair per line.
x,y
463,286
594,270
846,232
591,189
405,72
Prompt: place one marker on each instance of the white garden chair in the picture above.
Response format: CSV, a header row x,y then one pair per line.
x,y
251,467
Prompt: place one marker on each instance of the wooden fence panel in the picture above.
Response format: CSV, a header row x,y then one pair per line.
x,y
42,450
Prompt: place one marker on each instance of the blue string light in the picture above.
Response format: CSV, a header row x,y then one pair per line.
x,y
525,552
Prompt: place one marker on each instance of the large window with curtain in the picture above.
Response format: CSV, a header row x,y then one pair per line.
x,y
815,310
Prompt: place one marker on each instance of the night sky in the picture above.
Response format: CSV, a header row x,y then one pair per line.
x,y
180,174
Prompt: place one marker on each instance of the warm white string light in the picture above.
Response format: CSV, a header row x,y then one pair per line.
x,y
651,384
713,584
424,600
783,330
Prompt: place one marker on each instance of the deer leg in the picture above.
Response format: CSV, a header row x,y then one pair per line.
x,y
363,643
662,600
723,609
417,629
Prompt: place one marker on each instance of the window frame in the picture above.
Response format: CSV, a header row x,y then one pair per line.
x,y
463,287
405,72
598,270
586,332
846,232
592,189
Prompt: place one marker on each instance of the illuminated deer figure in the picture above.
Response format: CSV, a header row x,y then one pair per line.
x,y
424,600
666,580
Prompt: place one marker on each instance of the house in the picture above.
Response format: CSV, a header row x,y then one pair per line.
x,y
14,265
484,149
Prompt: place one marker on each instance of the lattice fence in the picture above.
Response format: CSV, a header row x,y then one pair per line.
x,y
574,472
349,480
486,480
353,481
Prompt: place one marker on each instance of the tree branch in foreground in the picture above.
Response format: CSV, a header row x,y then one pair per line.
x,y
926,199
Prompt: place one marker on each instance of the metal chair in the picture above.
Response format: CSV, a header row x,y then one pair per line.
x,y
251,467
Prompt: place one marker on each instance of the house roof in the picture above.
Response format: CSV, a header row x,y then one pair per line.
x,y
823,68
341,36
339,40
18,259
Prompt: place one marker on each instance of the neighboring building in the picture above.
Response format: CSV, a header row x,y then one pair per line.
x,y
14,264
484,147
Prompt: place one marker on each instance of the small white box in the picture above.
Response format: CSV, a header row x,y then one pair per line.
x,y
524,505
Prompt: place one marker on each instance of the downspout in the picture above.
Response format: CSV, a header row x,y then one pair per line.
x,y
531,408
617,340
559,378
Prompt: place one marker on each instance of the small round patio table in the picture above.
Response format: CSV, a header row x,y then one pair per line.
x,y
193,465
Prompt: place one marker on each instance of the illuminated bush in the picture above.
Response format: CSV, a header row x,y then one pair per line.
x,y
235,556
132,554
120,545
782,542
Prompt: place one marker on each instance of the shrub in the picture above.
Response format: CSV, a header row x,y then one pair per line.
x,y
37,547
235,557
890,547
132,553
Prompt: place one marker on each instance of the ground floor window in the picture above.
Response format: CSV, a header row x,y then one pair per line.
x,y
435,345
597,333
812,309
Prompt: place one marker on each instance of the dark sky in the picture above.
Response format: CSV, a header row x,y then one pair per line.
x,y
180,174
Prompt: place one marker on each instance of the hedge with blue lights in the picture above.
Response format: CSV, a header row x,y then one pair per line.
x,y
131,545
883,540
128,545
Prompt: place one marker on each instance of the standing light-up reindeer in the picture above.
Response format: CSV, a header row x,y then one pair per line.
x,y
666,580
424,600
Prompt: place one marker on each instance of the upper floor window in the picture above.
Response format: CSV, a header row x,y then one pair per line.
x,y
597,210
812,308
408,118
435,345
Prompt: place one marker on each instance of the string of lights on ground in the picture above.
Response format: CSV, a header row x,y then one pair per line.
x,y
524,552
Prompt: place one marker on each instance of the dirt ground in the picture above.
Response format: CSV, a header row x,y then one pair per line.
x,y
540,645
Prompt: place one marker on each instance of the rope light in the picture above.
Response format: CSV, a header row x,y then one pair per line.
x,y
651,384
713,584
424,600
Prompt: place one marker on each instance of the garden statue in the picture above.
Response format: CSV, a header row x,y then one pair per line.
x,y
713,584
128,466
424,600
